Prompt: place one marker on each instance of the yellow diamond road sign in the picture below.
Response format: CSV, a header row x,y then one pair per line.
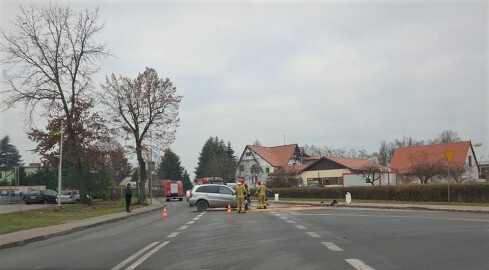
x,y
449,155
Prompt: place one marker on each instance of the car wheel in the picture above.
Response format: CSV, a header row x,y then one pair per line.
x,y
202,206
76,201
45,202
180,199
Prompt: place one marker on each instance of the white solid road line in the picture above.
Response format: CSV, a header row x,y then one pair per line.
x,y
313,234
147,255
173,235
386,216
135,255
332,246
358,264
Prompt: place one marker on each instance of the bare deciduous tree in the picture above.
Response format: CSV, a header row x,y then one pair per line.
x,y
447,136
50,57
144,109
426,167
370,173
284,178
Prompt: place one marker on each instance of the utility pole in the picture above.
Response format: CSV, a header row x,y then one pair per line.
x,y
60,163
151,167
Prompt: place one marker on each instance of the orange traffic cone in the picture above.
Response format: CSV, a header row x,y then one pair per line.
x,y
229,208
165,215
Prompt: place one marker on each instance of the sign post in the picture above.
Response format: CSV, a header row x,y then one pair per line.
x,y
449,155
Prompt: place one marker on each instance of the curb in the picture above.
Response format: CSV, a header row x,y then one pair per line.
x,y
420,208
76,228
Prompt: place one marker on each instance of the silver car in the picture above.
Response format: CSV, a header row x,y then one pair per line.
x,y
211,196
69,196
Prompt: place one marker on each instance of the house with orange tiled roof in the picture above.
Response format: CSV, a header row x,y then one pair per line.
x,y
347,172
256,162
330,171
429,163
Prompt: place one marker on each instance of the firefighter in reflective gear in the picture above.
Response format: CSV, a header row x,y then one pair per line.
x,y
247,190
260,190
247,196
240,193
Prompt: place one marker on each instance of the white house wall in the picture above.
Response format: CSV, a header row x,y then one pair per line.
x,y
385,179
471,173
322,174
248,162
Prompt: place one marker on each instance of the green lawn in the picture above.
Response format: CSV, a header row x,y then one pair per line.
x,y
11,222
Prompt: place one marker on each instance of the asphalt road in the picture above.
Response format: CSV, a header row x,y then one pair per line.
x,y
331,238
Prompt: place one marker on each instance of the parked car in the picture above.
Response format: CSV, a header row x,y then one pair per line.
x,y
40,196
211,196
314,185
69,196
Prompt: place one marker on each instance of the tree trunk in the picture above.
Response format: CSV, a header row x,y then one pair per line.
x,y
142,171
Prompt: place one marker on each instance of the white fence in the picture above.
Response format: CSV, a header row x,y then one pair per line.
x,y
385,179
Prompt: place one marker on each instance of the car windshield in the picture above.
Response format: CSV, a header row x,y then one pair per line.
x,y
33,192
65,192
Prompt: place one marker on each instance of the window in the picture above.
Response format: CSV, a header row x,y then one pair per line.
x,y
267,170
470,161
212,189
248,154
241,168
225,190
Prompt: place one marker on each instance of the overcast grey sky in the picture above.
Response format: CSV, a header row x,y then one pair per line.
x,y
344,74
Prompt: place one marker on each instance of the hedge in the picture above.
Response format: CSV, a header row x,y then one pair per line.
x,y
471,193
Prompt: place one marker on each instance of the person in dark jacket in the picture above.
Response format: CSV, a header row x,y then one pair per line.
x,y
128,193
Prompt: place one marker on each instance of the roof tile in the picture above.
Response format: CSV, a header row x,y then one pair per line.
x,y
277,156
405,158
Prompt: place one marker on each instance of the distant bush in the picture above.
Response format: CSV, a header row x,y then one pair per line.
x,y
477,193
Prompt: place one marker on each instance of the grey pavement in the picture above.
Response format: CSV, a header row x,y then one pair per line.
x,y
444,207
27,236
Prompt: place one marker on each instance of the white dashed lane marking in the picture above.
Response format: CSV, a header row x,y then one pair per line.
x,y
183,228
313,234
332,246
358,264
191,222
173,235
355,263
